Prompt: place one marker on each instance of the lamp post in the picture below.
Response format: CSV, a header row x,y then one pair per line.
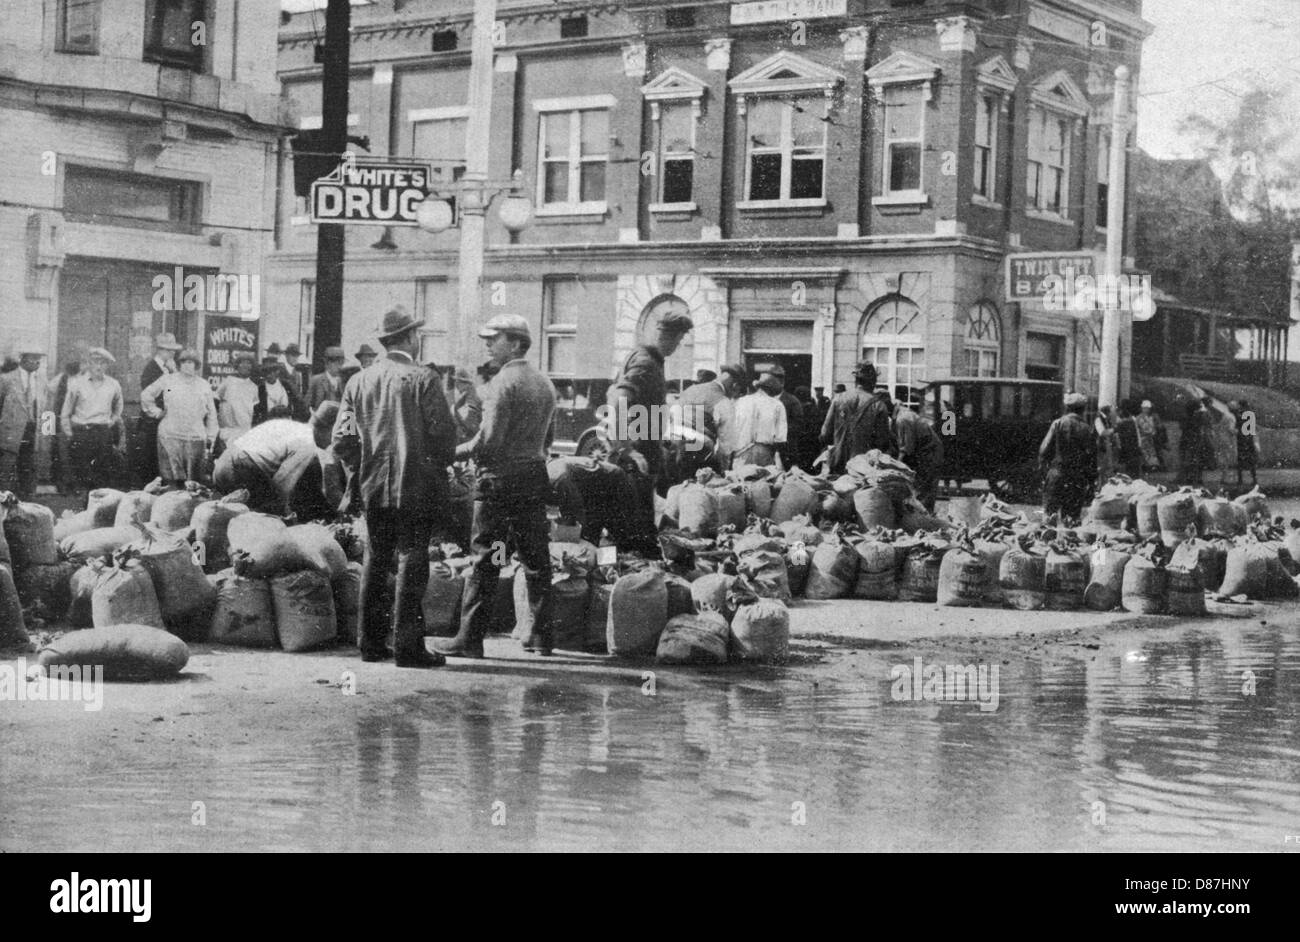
x,y
1113,315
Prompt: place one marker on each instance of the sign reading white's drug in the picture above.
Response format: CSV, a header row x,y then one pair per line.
x,y
370,192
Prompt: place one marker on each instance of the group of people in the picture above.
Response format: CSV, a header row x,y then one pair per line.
x,y
1078,457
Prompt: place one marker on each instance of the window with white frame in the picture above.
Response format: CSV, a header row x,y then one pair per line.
x,y
573,150
1103,177
786,149
438,136
78,25
1049,161
675,107
987,108
562,298
893,340
904,138
983,341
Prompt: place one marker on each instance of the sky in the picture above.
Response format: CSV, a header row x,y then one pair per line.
x,y
1203,54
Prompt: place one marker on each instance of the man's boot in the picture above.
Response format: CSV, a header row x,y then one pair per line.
x,y
462,644
410,650
475,615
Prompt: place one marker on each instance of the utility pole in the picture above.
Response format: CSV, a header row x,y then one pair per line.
x,y
1114,319
333,139
472,196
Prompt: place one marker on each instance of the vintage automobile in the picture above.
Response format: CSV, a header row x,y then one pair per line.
x,y
991,429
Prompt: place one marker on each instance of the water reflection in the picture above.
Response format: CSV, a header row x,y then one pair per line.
x,y
1155,730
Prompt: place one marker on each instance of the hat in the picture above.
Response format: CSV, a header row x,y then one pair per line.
x,y
676,322
864,367
772,369
509,324
1147,404
99,353
397,321
30,350
189,354
273,350
334,353
292,350
734,369
1075,399
767,381
166,341
365,351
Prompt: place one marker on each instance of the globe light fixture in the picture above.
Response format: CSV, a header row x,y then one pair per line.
x,y
516,213
434,215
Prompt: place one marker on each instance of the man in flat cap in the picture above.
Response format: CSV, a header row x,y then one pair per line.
x,y
92,420
328,385
394,429
1069,455
22,402
636,420
857,420
512,490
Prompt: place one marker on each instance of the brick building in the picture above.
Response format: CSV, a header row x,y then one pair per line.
x,y
812,180
141,140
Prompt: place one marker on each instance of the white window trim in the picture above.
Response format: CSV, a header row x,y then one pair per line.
x,y
573,106
446,113
655,115
1034,209
995,140
787,161
314,122
916,196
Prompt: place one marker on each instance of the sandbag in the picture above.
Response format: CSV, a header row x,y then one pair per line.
x,y
13,628
1146,511
1177,514
304,609
1023,578
1208,557
758,498
799,529
125,651
124,595
680,601
638,612
833,572
103,502
1185,593
347,602
1064,579
133,507
798,563
914,517
962,578
845,485
760,631
71,523
251,530
506,618
1254,503
29,530
1220,517
710,593
243,613
877,570
992,551
920,582
1145,588
81,589
731,507
349,534
1280,569
694,639
764,573
318,549
293,549
597,617
797,496
1105,579
698,509
673,503
211,525
100,542
443,595
43,590
172,511
570,599
874,508
753,542
185,597
1246,571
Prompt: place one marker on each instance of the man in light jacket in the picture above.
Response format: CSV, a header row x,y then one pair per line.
x,y
22,403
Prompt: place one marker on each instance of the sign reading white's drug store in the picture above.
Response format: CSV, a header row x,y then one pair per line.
x,y
370,192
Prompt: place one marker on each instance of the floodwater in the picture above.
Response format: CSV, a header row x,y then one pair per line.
x,y
1170,739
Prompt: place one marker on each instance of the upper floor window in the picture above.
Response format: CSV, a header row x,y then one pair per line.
x,y
986,146
175,33
573,150
675,108
785,103
78,26
120,198
438,136
902,85
1057,105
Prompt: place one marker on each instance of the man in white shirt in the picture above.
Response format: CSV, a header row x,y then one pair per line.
x,y
92,420
286,466
236,400
760,423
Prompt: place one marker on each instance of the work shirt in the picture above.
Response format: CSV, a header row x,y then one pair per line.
x,y
516,428
91,402
189,412
641,383
760,420
270,444
856,423
1070,446
918,445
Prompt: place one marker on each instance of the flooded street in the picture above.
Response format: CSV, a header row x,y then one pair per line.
x,y
1120,741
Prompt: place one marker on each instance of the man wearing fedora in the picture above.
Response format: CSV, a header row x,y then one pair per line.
x,y
144,462
299,373
22,401
512,489
396,432
327,386
857,421
365,357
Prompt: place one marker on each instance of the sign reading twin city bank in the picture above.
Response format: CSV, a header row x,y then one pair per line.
x,y
1074,282
776,11
370,192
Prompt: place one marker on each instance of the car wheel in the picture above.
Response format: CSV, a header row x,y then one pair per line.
x,y
592,446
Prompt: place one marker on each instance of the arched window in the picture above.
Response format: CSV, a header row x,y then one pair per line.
x,y
681,365
893,338
983,341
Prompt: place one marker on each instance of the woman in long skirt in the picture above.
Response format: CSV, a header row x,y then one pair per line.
x,y
188,427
